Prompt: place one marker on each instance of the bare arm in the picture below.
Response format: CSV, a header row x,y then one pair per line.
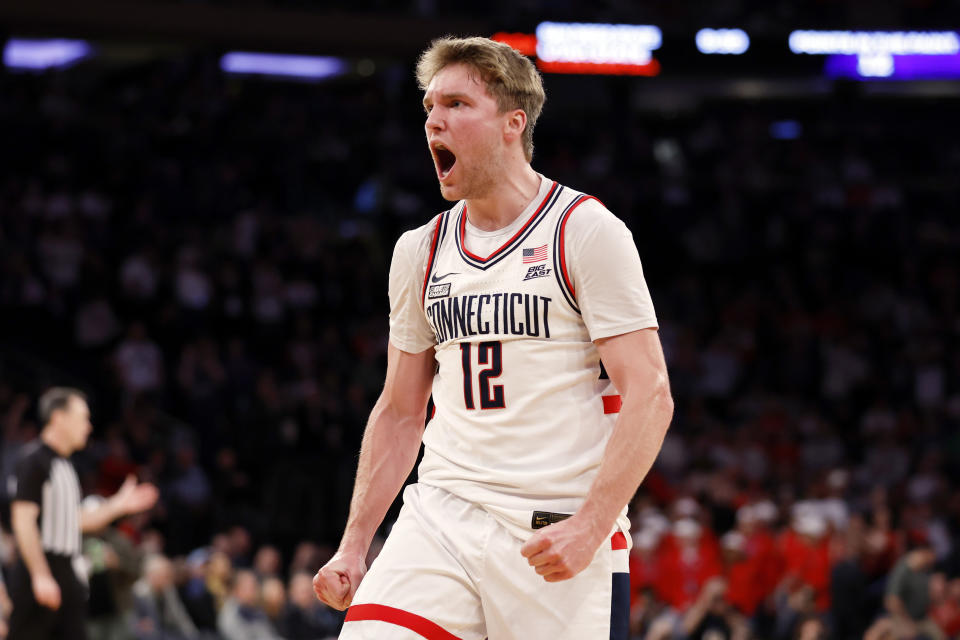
x,y
711,590
96,519
27,534
892,600
637,368
23,516
390,445
895,606
903,624
129,499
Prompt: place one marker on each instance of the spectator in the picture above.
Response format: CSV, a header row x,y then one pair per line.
x,y
96,324
115,563
907,597
742,576
882,545
267,562
945,604
139,362
189,497
812,628
274,599
793,608
305,617
711,616
806,552
159,614
689,560
644,565
242,617
850,607
308,557
759,546
138,278
239,545
196,596
219,578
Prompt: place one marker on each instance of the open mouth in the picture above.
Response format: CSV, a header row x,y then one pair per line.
x,y
444,159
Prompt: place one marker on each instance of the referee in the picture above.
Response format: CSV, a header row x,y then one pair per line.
x,y
49,595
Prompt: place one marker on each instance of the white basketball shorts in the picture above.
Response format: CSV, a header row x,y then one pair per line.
x,y
451,571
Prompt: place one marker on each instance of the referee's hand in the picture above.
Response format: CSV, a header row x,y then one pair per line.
x,y
46,591
337,581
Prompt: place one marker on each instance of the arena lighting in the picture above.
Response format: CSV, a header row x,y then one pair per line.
x,y
722,41
44,54
621,49
282,65
597,43
650,69
893,67
785,130
929,43
866,55
525,43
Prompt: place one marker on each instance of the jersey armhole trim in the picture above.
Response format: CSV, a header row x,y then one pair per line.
x,y
433,253
560,253
618,541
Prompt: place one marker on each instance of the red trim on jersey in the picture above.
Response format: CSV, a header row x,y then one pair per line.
x,y
433,253
612,404
463,228
618,541
417,624
562,248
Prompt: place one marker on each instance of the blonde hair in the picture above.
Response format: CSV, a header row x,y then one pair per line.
x,y
509,76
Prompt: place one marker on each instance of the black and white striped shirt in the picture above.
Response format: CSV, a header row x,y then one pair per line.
x,y
49,480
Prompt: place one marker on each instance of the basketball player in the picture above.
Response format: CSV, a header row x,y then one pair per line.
x,y
503,308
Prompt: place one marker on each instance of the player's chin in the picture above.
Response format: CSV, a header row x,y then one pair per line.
x,y
450,192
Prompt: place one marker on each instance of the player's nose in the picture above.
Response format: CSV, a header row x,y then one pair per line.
x,y
434,121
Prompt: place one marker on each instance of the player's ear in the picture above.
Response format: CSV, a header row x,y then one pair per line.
x,y
514,125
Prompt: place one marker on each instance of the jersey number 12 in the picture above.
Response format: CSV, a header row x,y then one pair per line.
x,y
490,354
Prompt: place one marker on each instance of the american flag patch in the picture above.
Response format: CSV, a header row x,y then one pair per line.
x,y
535,255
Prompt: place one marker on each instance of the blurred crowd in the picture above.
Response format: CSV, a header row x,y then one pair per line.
x,y
221,591
225,590
207,257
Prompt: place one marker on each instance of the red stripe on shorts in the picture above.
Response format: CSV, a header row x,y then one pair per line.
x,y
427,629
618,541
612,404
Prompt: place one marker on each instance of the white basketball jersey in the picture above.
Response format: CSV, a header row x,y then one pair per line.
x,y
523,408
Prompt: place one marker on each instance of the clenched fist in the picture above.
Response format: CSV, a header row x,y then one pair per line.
x,y
337,581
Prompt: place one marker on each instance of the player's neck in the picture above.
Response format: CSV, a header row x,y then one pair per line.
x,y
509,197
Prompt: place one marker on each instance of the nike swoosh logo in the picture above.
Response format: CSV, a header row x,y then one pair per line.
x,y
437,278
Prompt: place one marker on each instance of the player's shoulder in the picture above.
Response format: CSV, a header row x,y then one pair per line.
x,y
585,213
418,241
